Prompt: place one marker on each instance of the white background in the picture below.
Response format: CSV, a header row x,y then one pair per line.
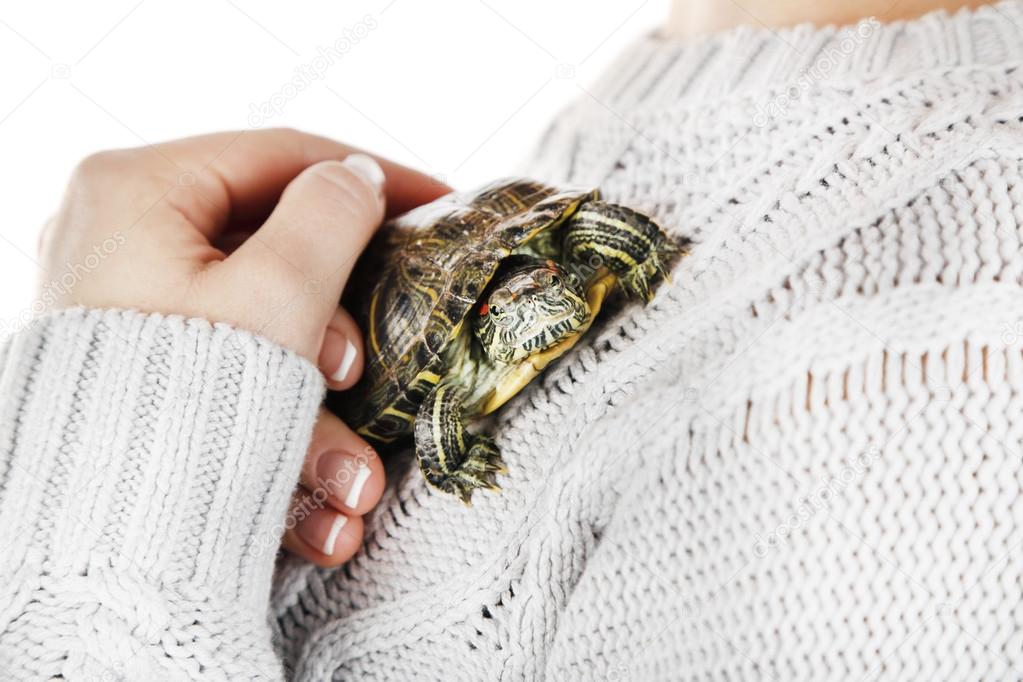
x,y
461,89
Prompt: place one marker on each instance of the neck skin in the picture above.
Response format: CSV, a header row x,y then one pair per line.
x,y
693,18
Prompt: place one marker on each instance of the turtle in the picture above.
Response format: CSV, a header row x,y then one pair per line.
x,y
474,295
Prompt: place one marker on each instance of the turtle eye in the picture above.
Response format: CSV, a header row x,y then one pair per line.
x,y
497,313
499,318
499,304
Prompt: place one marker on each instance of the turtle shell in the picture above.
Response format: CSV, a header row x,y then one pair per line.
x,y
431,266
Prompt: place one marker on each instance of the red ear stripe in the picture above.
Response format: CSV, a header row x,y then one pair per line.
x,y
484,309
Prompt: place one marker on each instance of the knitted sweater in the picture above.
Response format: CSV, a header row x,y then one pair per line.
x,y
802,461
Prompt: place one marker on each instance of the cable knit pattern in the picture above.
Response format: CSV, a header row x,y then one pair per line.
x,y
147,462
802,461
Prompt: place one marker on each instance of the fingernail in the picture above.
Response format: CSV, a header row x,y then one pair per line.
x,y
338,472
368,169
346,362
361,476
337,355
321,529
335,529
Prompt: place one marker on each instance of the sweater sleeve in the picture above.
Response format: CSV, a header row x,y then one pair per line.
x,y
146,463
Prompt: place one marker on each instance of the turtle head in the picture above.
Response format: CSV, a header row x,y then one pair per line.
x,y
530,305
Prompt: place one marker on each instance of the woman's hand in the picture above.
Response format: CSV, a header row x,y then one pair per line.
x,y
256,229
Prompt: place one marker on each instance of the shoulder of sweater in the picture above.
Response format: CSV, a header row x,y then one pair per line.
x,y
980,104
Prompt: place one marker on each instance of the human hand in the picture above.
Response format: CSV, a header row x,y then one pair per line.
x,y
259,230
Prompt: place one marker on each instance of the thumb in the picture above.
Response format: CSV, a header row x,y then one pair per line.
x,y
321,224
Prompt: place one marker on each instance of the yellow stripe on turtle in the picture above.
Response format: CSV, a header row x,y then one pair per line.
x,y
438,429
395,412
611,252
368,431
619,225
373,325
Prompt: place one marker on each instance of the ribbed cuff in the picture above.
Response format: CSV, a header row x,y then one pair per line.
x,y
163,447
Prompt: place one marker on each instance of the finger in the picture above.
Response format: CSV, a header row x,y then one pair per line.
x,y
238,176
407,188
341,354
320,534
321,224
341,469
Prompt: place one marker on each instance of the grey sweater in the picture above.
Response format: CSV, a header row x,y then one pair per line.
x,y
801,461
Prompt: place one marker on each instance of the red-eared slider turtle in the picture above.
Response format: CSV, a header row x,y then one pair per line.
x,y
475,294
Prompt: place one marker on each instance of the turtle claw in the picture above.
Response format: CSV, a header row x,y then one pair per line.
x,y
663,269
483,456
452,458
636,281
477,470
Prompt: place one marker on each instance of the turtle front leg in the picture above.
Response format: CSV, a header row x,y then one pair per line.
x,y
450,457
626,242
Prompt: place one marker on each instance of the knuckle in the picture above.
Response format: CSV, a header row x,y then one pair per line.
x,y
286,138
98,170
100,165
284,132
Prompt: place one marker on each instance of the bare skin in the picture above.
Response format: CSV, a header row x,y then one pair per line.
x,y
260,230
694,18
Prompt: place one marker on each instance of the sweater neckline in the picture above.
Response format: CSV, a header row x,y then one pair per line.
x,y
658,70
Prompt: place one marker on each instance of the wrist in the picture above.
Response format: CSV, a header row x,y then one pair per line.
x,y
167,445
